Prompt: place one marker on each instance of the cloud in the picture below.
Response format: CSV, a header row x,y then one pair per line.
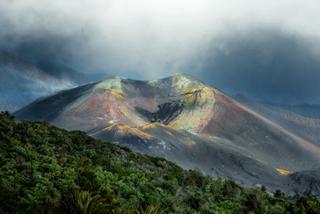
x,y
214,40
264,62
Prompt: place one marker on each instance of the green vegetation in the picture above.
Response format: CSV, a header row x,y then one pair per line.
x,y
44,169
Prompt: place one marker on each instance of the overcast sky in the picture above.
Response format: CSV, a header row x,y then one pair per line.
x,y
266,49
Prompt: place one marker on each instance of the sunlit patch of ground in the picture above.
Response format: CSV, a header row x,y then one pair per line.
x,y
283,171
125,130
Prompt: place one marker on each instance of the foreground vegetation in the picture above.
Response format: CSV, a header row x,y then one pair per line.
x,y
44,169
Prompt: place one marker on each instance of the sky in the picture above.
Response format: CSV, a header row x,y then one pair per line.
x,y
268,50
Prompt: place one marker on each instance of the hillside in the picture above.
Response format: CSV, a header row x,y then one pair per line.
x,y
303,119
187,122
44,169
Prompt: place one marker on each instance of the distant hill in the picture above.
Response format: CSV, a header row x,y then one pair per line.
x,y
187,122
44,169
23,81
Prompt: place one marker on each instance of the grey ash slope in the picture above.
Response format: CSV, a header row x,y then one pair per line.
x,y
187,122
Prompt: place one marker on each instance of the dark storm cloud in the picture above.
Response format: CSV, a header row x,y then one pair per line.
x,y
51,35
266,63
45,47
54,52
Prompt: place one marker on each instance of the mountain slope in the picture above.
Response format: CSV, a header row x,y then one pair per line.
x,y
185,121
301,119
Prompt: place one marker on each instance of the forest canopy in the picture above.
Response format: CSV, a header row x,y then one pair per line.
x,y
44,169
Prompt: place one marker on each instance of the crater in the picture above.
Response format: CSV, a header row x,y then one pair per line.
x,y
165,114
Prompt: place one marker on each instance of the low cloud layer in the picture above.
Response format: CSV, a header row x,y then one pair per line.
x,y
266,50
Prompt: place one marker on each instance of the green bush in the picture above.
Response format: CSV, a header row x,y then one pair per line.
x,y
44,169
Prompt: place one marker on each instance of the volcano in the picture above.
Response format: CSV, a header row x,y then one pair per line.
x,y
187,122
